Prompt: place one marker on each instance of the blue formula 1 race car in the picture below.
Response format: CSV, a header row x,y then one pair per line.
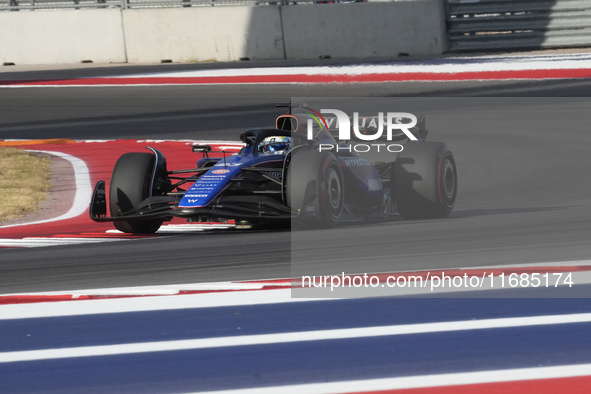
x,y
283,175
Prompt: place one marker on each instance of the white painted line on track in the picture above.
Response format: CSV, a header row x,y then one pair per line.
x,y
185,228
290,337
160,289
231,144
110,85
36,242
82,193
225,143
145,304
422,381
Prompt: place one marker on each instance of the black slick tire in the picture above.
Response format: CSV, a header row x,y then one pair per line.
x,y
130,185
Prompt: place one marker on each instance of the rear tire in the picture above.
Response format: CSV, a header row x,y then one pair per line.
x,y
425,180
315,188
130,185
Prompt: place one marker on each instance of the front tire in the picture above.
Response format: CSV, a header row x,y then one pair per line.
x,y
425,180
130,185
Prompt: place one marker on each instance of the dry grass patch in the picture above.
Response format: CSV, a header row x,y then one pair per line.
x,y
24,182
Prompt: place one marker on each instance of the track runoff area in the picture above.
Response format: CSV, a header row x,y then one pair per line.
x,y
252,336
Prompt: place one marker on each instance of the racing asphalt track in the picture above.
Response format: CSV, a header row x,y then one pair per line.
x,y
524,189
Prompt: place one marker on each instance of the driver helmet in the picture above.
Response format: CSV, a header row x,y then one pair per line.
x,y
275,144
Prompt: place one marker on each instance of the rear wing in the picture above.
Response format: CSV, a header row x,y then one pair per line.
x,y
367,125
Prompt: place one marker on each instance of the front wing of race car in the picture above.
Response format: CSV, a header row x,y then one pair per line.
x,y
250,207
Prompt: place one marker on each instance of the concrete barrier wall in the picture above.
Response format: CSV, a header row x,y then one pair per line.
x,y
68,36
364,30
360,31
203,34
